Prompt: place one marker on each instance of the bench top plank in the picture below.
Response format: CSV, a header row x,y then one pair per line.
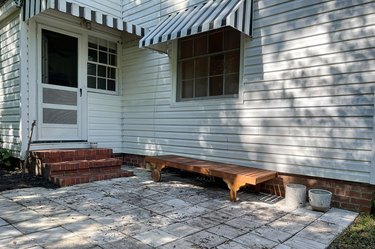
x,y
251,175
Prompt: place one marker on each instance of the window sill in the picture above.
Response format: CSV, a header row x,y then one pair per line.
x,y
91,90
208,102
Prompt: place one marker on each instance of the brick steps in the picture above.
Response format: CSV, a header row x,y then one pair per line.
x,y
70,167
64,181
55,156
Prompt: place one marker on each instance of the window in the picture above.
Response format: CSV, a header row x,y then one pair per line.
x,y
102,64
209,64
59,59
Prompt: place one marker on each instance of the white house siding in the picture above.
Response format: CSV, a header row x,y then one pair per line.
x,y
10,84
111,7
308,94
105,120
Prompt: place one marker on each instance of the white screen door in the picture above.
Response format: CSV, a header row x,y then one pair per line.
x,y
60,94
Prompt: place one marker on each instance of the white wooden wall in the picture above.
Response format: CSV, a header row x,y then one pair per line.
x,y
111,7
10,84
105,120
308,94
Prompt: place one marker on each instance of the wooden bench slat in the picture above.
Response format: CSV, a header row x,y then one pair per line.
x,y
234,175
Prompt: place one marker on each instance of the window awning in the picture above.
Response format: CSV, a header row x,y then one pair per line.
x,y
203,17
34,7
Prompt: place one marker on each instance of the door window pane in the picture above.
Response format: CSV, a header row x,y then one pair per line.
x,y
59,59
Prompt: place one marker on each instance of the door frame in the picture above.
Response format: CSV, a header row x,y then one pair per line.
x,y
82,82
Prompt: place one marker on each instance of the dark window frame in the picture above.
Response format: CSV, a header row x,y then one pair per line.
x,y
197,72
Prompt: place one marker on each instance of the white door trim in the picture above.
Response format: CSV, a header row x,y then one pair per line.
x,y
81,100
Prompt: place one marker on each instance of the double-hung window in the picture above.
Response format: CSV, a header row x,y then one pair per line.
x,y
209,65
102,65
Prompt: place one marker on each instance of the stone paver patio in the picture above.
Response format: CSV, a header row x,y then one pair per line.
x,y
178,213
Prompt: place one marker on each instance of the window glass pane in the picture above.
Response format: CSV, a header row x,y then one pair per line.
x,y
101,71
93,55
232,39
217,64
215,42
187,89
91,82
111,73
216,86
232,62
186,48
200,45
112,47
201,87
111,85
112,59
201,67
103,45
187,68
103,57
91,69
93,41
231,84
102,84
59,59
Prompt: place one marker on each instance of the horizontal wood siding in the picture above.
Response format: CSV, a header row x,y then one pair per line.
x,y
111,7
308,93
10,84
105,121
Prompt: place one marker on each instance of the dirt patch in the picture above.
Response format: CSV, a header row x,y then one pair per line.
x,y
13,179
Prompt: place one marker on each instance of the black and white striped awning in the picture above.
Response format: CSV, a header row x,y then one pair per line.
x,y
34,7
210,15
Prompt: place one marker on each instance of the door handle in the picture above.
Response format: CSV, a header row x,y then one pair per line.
x,y
80,92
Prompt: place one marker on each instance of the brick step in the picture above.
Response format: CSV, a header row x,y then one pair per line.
x,y
55,156
63,181
101,170
82,164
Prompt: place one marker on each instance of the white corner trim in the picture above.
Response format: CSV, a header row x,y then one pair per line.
x,y
24,85
372,169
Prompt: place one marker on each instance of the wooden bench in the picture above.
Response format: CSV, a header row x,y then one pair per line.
x,y
233,175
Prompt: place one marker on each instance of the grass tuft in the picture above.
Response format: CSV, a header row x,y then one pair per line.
x,y
361,234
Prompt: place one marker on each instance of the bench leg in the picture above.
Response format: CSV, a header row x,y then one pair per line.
x,y
156,172
233,188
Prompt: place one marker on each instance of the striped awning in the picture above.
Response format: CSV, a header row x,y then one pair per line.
x,y
34,7
203,17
